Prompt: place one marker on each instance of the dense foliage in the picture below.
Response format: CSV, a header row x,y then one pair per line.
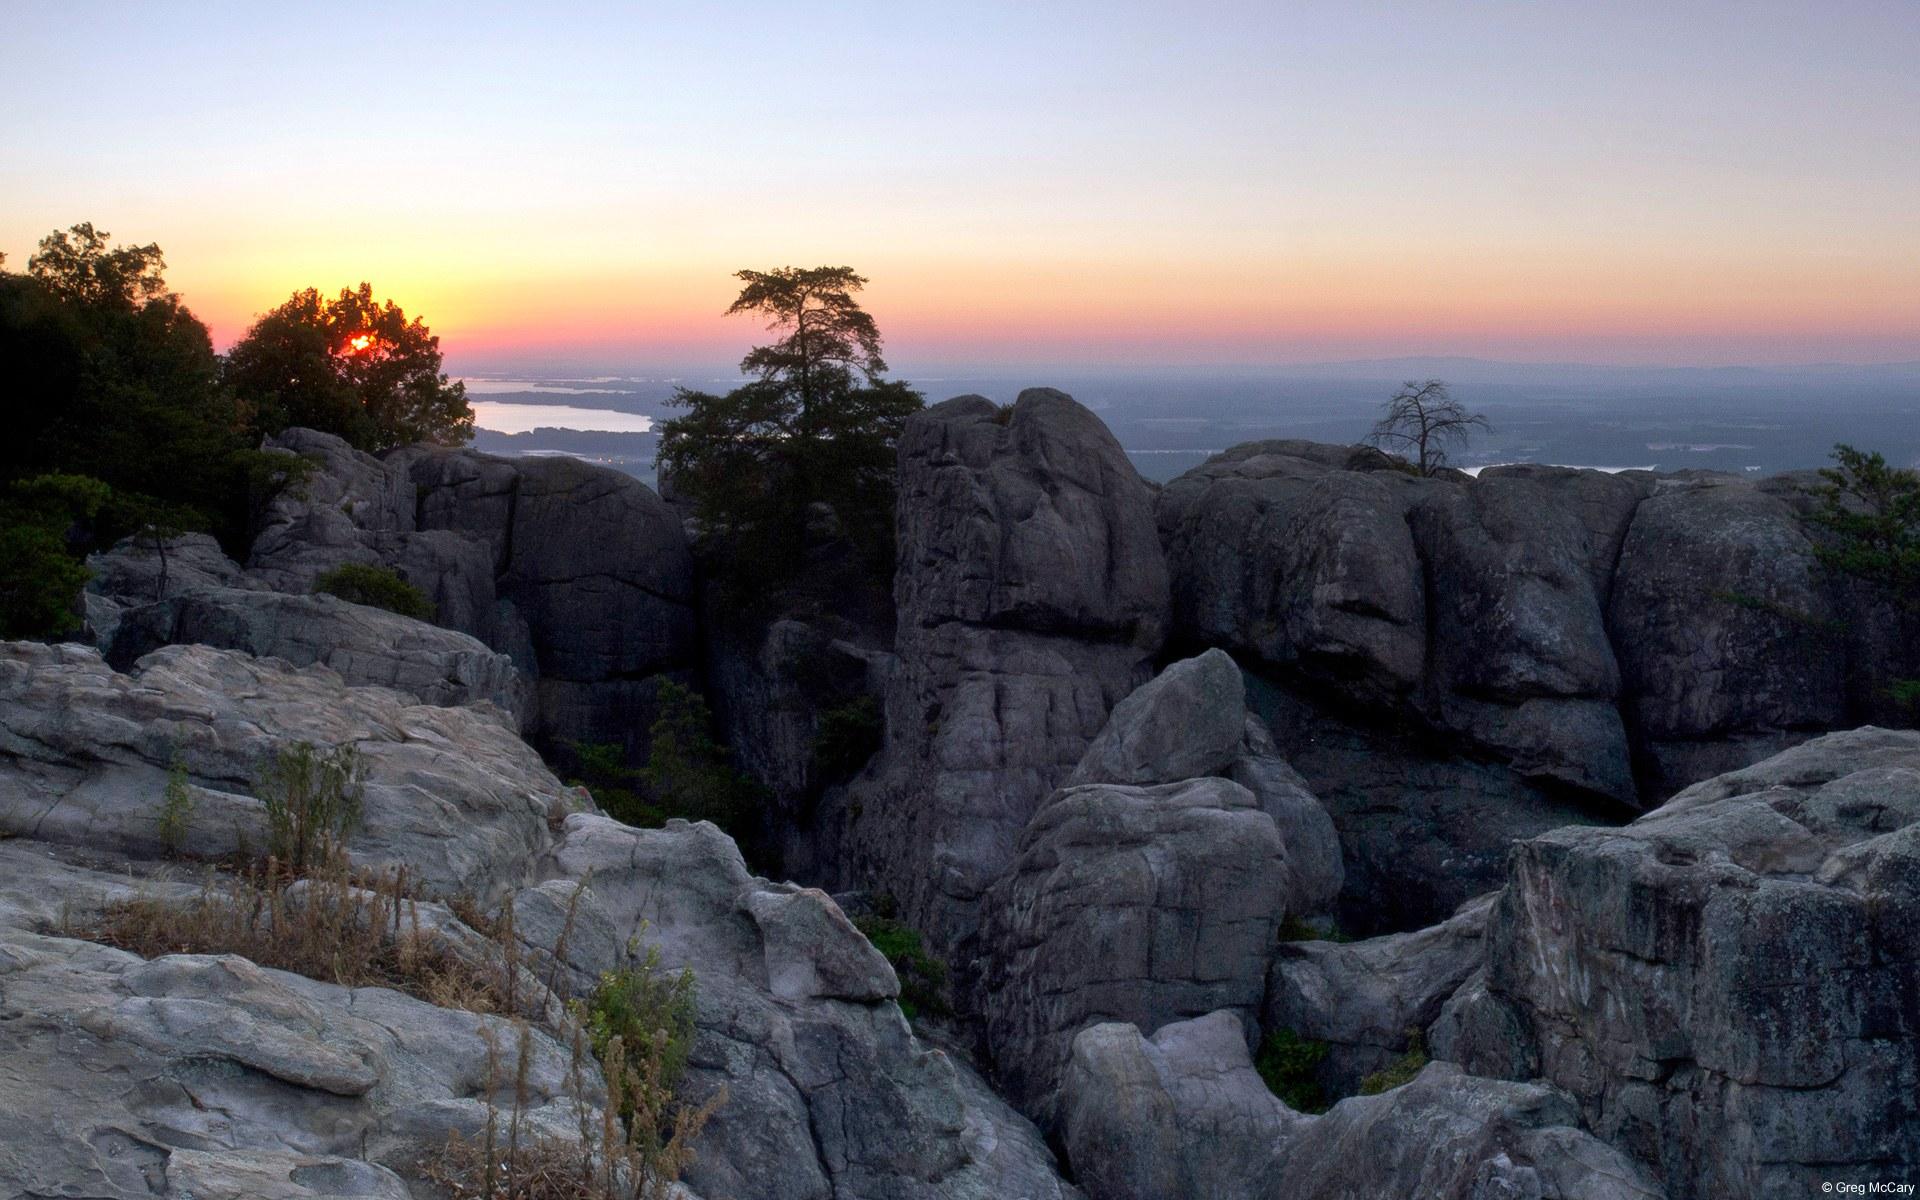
x,y
1872,512
812,433
1290,1065
688,774
350,366
378,587
111,378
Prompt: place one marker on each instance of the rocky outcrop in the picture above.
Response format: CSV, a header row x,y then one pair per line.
x,y
1363,1000
1727,633
1136,903
1184,1114
1726,985
579,573
1191,721
829,1093
208,1077
450,793
1031,596
365,646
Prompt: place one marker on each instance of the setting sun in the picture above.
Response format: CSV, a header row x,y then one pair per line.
x,y
359,342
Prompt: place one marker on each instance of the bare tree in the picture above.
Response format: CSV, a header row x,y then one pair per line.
x,y
1422,421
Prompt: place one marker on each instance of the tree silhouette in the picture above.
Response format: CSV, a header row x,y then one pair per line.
x,y
1423,421
812,432
351,366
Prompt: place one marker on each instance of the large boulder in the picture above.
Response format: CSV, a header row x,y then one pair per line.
x,y
1726,631
366,646
1362,1000
1726,986
1141,904
579,573
829,1093
1031,596
1191,721
1184,1114
452,794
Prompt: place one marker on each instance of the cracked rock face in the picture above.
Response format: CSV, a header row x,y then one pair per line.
x,y
1143,904
1183,1113
1031,595
579,573
830,1094
1727,985
451,793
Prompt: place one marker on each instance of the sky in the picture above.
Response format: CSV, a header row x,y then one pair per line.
x,y
1106,184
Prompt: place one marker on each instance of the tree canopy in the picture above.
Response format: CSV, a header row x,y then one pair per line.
x,y
348,365
1423,421
813,430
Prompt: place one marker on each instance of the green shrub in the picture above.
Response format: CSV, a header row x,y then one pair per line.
x,y
1293,929
923,976
1290,1064
40,577
312,799
645,1014
376,587
176,808
847,736
689,774
1401,1070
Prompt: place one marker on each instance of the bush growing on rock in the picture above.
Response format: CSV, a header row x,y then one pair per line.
x,y
1288,1063
312,800
922,974
376,587
176,808
1401,1070
849,734
643,1015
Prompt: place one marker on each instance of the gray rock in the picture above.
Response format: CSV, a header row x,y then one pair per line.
x,y
1729,648
1031,597
366,646
451,793
1191,721
1188,722
1141,904
829,1092
131,571
1184,1114
1363,998
1726,984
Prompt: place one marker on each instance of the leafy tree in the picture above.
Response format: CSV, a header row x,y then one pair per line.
x,y
1423,421
351,366
1872,511
815,425
40,576
377,587
109,375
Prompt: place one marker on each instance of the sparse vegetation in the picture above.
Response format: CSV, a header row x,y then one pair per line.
x,y
1294,929
1401,1070
923,976
647,1012
377,587
847,736
176,808
1423,421
1290,1066
688,773
312,800
336,926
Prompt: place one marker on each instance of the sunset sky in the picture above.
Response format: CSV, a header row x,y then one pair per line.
x,y
1033,182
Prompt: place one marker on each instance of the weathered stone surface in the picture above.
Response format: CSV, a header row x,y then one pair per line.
x,y
829,1092
1726,633
1029,517
1362,999
1191,721
196,1076
1184,1114
1279,553
1142,904
451,793
1726,985
579,573
366,646
1031,597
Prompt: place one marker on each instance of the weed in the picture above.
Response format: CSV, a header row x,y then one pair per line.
x,y
1401,1070
312,799
176,808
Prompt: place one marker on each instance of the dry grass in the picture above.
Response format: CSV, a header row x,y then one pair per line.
x,y
327,923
